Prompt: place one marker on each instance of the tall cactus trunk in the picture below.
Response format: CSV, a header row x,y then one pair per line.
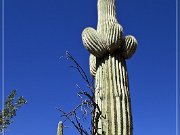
x,y
112,96
108,53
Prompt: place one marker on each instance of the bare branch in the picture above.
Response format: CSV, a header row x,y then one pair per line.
x,y
86,106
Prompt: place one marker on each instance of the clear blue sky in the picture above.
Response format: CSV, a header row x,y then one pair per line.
x,y
37,34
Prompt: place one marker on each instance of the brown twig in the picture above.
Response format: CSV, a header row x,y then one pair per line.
x,y
87,104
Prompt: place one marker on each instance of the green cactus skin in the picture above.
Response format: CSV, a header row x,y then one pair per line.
x,y
108,53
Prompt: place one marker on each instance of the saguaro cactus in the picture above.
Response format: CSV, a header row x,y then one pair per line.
x,y
108,53
60,128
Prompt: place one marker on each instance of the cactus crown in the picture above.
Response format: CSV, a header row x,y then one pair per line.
x,y
108,37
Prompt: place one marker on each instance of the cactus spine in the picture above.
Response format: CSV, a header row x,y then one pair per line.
x,y
108,53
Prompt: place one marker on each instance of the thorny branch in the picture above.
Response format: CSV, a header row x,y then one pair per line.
x,y
87,105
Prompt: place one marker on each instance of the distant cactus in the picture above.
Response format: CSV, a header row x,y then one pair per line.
x,y
108,52
60,128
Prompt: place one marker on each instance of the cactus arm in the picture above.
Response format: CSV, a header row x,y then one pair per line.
x,y
93,42
129,47
92,64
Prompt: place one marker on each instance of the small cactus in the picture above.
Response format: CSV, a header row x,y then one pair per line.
x,y
60,128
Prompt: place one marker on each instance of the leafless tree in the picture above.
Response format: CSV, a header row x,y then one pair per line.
x,y
85,107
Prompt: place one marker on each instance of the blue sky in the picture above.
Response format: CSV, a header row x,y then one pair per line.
x,y
38,33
